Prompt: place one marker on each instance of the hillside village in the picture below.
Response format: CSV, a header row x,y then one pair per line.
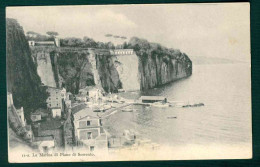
x,y
70,120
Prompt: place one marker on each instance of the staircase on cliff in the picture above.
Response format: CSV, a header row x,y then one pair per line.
x,y
92,60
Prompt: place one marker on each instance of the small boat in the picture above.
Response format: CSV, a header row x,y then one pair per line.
x,y
172,117
160,104
193,105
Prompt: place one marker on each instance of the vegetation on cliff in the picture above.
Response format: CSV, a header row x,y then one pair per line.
x,y
22,78
75,70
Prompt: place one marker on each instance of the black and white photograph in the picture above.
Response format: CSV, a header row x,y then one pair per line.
x,y
132,82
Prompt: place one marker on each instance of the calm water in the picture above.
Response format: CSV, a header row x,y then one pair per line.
x,y
225,118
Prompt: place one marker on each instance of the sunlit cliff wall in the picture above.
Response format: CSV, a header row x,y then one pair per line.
x,y
127,68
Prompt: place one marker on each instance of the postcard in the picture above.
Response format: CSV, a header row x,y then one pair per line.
x,y
128,82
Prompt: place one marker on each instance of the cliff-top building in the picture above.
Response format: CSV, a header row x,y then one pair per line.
x,y
55,42
122,52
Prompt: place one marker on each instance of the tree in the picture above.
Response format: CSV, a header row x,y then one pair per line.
x,y
72,42
89,42
31,33
52,33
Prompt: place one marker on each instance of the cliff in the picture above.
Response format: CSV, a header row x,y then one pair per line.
x,y
22,78
76,68
150,65
159,65
127,68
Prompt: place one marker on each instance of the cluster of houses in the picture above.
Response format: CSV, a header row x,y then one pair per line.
x,y
62,121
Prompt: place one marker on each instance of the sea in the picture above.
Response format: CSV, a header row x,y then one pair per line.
x,y
225,89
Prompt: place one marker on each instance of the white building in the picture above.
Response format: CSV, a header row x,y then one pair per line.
x,y
63,93
20,114
9,99
57,41
92,93
89,131
122,51
31,43
55,98
56,112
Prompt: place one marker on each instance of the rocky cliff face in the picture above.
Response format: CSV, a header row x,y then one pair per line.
x,y
159,65
76,68
109,77
127,68
151,65
157,70
22,78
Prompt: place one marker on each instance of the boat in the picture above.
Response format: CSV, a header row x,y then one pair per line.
x,y
160,104
193,105
172,117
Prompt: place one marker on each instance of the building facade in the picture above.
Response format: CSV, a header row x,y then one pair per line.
x,y
122,52
55,101
89,131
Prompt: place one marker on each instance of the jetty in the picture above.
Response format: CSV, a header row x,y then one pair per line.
x,y
152,99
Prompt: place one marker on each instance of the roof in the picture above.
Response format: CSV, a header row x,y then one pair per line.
x,y
78,108
86,112
152,98
50,125
44,138
123,49
41,110
45,42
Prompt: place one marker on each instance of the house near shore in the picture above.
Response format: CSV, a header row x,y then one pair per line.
x,y
88,130
152,99
91,94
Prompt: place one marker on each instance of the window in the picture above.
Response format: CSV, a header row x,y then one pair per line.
x,y
88,123
89,135
92,148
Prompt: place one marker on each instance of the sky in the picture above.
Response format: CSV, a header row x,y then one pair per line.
x,y
208,30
